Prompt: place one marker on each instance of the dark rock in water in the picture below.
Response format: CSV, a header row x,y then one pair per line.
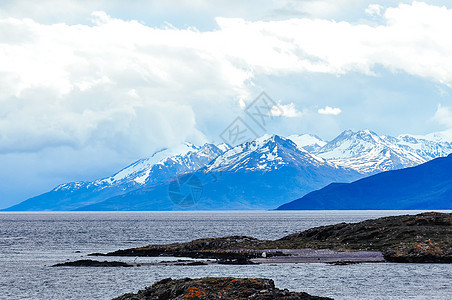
x,y
236,261
216,288
343,263
92,263
192,263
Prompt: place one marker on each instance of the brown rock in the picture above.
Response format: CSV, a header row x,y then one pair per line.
x,y
216,288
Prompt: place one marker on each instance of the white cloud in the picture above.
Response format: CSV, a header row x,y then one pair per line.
x,y
374,10
66,84
285,110
443,115
414,39
74,84
329,111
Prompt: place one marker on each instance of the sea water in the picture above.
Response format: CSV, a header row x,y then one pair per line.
x,y
31,242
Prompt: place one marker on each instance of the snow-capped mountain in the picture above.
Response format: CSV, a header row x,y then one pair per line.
x,y
440,136
166,164
309,142
260,174
368,153
265,154
428,147
255,175
162,165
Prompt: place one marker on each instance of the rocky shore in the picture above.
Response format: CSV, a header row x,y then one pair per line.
x,y
216,288
422,238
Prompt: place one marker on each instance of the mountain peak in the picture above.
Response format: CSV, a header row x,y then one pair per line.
x,y
351,142
269,138
266,141
309,142
362,133
367,152
346,133
441,136
265,153
157,157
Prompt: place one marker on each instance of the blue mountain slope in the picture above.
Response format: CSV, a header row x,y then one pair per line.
x,y
76,195
238,191
427,186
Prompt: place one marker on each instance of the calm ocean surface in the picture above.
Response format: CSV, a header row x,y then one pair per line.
x,y
31,242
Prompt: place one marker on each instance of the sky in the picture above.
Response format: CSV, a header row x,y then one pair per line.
x,y
88,87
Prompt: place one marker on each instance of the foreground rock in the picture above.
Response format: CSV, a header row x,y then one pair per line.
x,y
216,288
424,238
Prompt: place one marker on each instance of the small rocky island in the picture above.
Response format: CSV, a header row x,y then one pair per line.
x,y
92,263
217,288
422,238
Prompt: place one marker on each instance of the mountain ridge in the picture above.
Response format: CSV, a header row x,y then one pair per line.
x,y
350,156
253,175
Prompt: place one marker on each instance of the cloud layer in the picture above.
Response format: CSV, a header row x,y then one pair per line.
x,y
77,85
443,115
121,86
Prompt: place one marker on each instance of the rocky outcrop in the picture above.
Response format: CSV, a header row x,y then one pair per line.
x,y
216,288
418,252
424,237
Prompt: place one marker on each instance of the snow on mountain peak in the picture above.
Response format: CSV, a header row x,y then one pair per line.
x,y
162,165
441,136
223,147
263,138
158,157
367,152
349,144
308,142
364,151
265,153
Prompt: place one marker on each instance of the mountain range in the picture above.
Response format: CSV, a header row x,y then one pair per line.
x,y
369,153
427,186
260,174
